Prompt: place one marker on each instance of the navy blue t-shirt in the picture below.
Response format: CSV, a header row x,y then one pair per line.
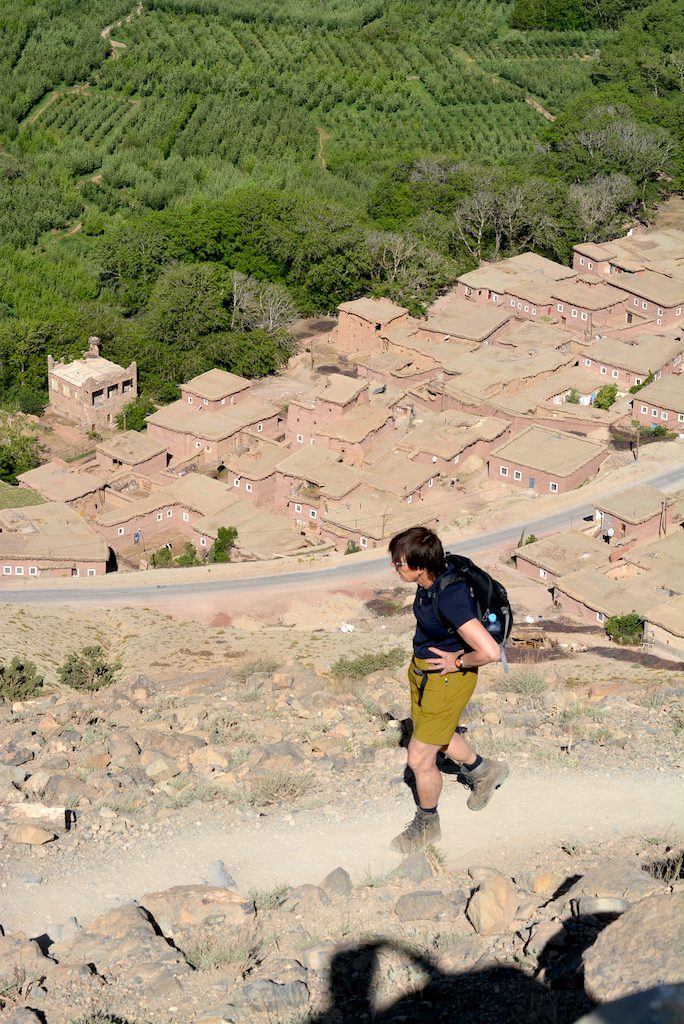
x,y
455,605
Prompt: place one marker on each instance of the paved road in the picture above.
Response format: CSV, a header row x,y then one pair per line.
x,y
117,590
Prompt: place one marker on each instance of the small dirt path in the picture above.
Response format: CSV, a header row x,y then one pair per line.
x,y
106,32
539,108
322,136
532,101
536,813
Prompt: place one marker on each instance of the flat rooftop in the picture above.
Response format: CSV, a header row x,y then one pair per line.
x,y
565,552
131,447
94,368
379,311
59,484
594,295
668,392
216,384
468,320
636,505
50,531
549,451
211,426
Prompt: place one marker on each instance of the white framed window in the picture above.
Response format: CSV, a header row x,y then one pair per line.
x,y
636,302
517,475
526,308
519,305
120,531
33,570
581,261
160,516
186,517
542,574
533,311
663,415
313,514
92,572
600,616
512,302
223,401
409,499
169,513
503,470
644,408
659,320
456,458
644,305
638,380
469,290
236,481
260,427
431,481
573,313
616,374
363,542
198,444
678,311
19,570
298,508
203,542
189,399
248,488
680,417
660,312
206,401
587,362
553,487
590,265
300,439
560,307
583,316
495,297
75,571
7,570
654,413
312,441
603,370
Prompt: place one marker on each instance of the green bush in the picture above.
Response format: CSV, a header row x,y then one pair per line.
x,y
88,670
132,416
19,680
625,629
605,396
573,396
352,548
365,664
162,559
226,537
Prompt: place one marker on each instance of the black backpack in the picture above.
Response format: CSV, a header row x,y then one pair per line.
x,y
490,597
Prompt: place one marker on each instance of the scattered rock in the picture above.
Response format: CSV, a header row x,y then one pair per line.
x,y
493,906
31,835
422,906
337,883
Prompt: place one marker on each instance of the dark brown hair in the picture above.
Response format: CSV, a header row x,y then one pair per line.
x,y
420,548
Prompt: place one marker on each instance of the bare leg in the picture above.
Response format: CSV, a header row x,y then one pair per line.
x,y
459,749
422,760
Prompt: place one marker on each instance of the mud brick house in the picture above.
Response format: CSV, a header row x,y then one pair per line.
x,y
465,321
361,322
640,514
399,368
353,433
214,390
662,251
132,451
56,481
661,404
251,468
531,337
445,440
90,391
307,415
187,432
655,575
652,295
550,559
628,363
546,461
49,540
523,284
310,481
664,628
587,303
370,517
261,533
404,479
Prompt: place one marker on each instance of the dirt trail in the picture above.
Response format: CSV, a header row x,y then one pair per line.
x,y
322,136
527,822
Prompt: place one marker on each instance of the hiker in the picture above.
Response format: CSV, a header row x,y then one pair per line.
x,y
442,675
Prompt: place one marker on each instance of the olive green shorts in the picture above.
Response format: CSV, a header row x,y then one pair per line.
x,y
444,699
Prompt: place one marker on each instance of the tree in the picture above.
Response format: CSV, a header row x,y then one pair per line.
x,y
573,396
19,680
132,416
88,670
260,305
19,452
605,396
226,536
599,201
188,302
650,377
625,629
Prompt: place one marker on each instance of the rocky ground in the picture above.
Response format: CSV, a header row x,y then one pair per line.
x,y
210,842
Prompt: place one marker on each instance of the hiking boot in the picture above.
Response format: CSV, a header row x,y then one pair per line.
x,y
418,833
484,779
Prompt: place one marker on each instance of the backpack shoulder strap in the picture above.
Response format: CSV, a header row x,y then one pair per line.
x,y
453,575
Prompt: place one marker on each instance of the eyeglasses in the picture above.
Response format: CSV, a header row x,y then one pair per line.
x,y
399,565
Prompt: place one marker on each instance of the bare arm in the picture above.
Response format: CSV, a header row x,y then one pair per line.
x,y
485,649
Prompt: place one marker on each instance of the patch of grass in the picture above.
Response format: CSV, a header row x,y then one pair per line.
x,y
122,804
378,881
269,899
255,666
212,951
435,856
357,669
668,869
525,682
225,728
276,789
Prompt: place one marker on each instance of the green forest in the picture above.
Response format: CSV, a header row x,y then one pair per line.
x,y
183,178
